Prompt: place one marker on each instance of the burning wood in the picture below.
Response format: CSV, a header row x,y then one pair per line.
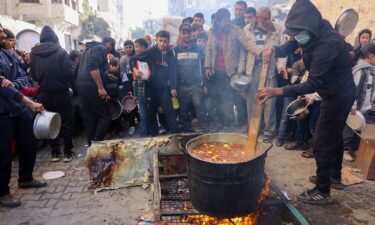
x,y
250,219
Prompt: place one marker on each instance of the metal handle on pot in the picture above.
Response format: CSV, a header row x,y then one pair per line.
x,y
293,117
269,148
183,149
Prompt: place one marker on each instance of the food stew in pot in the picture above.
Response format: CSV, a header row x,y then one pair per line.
x,y
219,152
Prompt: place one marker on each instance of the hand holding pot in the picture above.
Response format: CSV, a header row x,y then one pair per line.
x,y
103,94
34,105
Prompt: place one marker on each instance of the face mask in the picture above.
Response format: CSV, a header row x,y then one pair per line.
x,y
302,37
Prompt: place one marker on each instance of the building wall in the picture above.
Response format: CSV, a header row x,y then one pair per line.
x,y
332,9
17,26
61,17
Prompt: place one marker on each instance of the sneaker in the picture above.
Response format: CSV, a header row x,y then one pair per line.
x,y
279,142
334,183
314,196
296,146
8,202
31,184
131,130
55,157
349,156
68,157
267,139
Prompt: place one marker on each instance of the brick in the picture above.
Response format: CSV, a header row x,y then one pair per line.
x,y
51,203
64,204
60,189
73,189
66,196
31,197
40,212
31,204
51,196
64,211
48,189
77,195
28,191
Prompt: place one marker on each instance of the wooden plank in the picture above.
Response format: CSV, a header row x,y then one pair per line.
x,y
157,192
173,176
256,114
365,160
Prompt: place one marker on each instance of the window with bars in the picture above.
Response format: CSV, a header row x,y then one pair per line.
x,y
67,2
29,1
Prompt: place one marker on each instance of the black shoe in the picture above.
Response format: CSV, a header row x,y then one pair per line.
x,y
68,156
314,196
296,146
335,184
267,139
31,184
8,202
279,142
55,157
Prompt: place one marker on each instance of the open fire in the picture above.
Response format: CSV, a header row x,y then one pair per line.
x,y
244,220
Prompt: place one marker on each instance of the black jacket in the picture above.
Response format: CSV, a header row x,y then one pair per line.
x,y
50,67
95,57
325,56
190,64
163,68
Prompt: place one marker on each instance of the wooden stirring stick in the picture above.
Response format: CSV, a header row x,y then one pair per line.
x,y
256,114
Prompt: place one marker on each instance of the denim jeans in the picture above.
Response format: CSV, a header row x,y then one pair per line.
x,y
143,115
284,122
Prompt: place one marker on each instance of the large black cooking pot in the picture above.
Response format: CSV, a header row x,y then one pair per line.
x,y
226,190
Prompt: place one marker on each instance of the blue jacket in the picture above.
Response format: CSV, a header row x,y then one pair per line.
x,y
10,98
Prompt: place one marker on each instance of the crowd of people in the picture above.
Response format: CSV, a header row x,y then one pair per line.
x,y
188,86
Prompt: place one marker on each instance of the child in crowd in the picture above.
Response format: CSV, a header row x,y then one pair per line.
x,y
139,87
364,78
202,39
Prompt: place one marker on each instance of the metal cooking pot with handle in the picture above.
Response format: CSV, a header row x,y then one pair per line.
x,y
298,109
225,190
47,125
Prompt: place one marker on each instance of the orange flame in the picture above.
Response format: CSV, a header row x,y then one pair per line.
x,y
250,219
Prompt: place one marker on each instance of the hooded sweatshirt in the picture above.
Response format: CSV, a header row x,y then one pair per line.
x,y
364,78
50,64
325,56
94,58
163,68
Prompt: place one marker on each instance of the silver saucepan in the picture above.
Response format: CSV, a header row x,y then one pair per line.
x,y
47,125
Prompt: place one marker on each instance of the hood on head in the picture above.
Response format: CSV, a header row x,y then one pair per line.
x,y
304,16
45,49
362,64
48,35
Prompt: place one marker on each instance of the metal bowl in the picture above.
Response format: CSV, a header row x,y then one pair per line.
x,y
128,103
115,108
297,110
239,82
47,125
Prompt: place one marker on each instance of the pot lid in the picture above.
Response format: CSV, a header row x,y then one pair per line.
x,y
347,22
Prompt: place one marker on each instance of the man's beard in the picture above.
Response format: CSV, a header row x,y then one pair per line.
x,y
2,44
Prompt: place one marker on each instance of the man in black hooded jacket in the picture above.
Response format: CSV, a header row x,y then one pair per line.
x,y
93,96
330,74
50,67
